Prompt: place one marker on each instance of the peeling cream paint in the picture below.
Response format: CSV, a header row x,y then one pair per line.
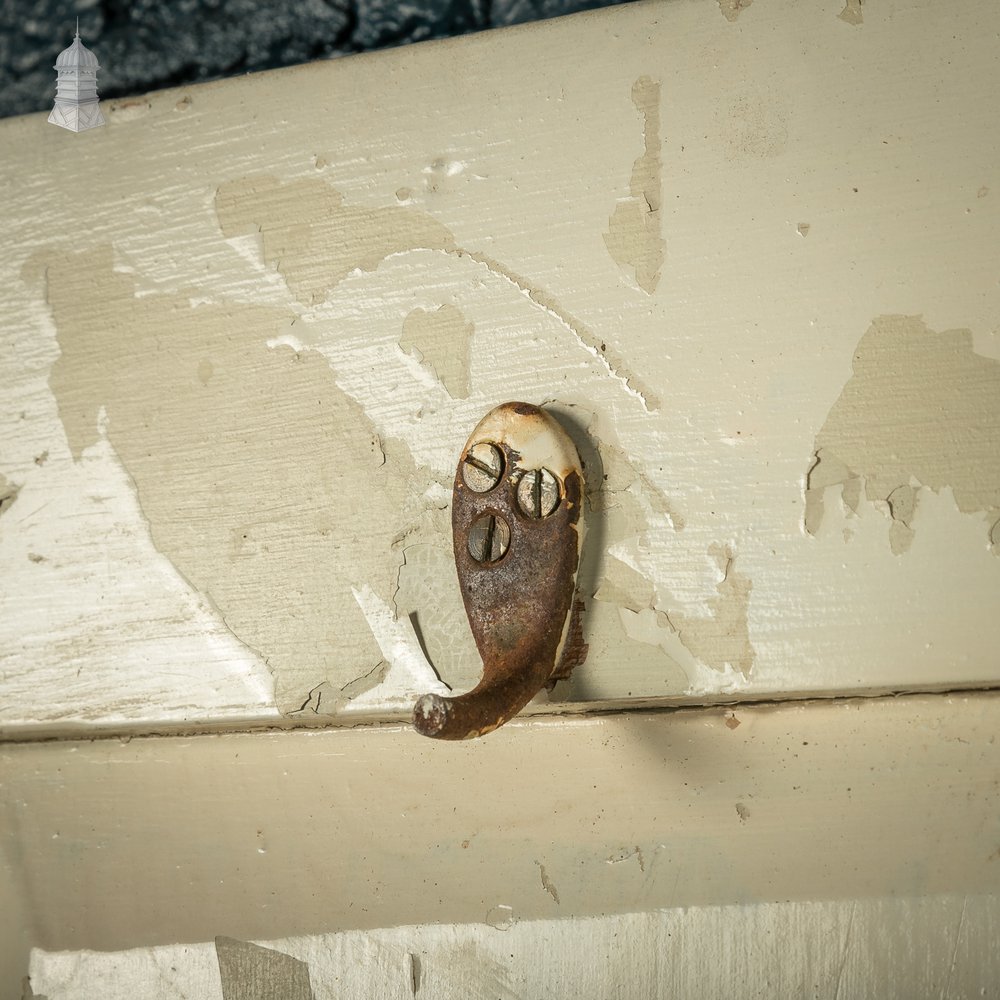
x,y
731,8
101,601
634,237
409,675
613,361
921,411
638,645
722,639
852,12
483,975
429,592
629,505
304,682
902,503
312,238
627,854
241,475
648,626
440,339
624,586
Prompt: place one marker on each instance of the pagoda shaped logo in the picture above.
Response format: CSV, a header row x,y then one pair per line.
x,y
76,107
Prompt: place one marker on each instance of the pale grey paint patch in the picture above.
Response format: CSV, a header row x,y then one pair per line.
x,y
921,411
634,237
440,339
313,238
250,972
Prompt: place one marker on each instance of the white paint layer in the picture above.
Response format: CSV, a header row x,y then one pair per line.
x,y
941,947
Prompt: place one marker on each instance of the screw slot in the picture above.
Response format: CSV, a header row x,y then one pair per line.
x,y
482,468
489,538
538,493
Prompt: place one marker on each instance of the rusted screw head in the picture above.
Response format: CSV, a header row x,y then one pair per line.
x,y
489,538
538,493
483,467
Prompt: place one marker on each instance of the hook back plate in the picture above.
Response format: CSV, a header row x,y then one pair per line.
x,y
517,523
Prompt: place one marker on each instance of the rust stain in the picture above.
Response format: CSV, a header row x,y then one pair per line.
x,y
723,637
852,13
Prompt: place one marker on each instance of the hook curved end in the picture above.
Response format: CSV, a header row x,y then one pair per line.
x,y
517,520
430,715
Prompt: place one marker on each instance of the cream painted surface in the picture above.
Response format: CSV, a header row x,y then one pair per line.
x,y
248,326
942,947
111,845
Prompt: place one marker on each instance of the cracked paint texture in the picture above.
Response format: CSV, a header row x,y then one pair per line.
x,y
315,240
246,460
721,638
246,468
921,411
630,617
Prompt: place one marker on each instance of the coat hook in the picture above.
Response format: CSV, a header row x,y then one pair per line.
x,y
517,526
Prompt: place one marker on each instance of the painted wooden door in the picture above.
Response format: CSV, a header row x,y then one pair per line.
x,y
746,254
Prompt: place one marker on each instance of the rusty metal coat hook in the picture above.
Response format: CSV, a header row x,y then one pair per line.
x,y
517,524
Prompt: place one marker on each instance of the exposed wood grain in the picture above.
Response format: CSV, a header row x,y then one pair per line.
x,y
247,330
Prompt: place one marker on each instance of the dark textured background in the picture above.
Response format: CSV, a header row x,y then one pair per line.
x,y
147,45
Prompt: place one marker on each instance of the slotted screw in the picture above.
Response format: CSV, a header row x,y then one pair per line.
x,y
538,493
489,538
483,467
